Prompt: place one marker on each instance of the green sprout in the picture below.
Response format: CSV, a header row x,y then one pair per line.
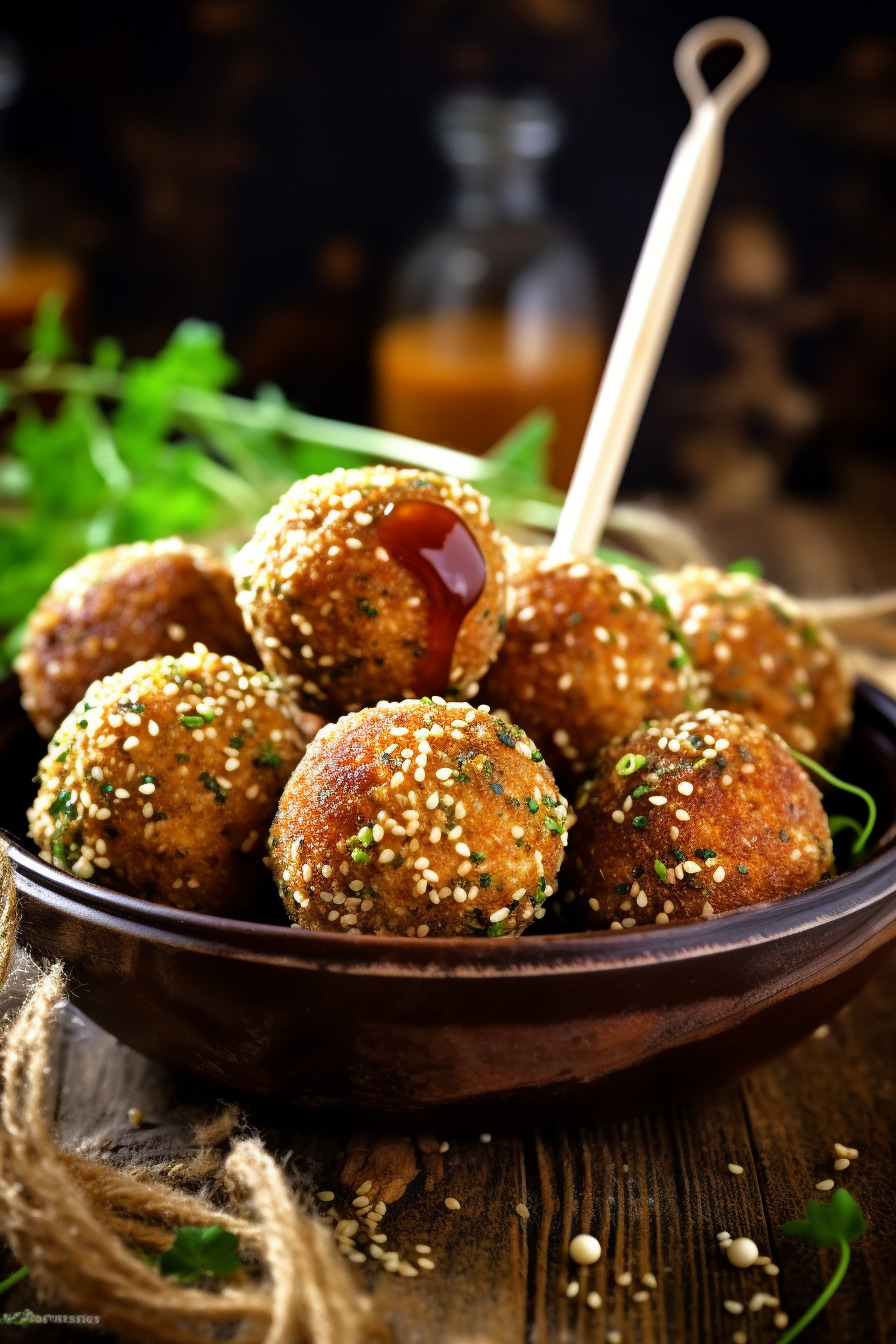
x,y
840,823
836,1223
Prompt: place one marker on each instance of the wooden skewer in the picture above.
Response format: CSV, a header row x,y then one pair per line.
x,y
659,277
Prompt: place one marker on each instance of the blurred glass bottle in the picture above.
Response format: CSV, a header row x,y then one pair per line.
x,y
494,313
27,271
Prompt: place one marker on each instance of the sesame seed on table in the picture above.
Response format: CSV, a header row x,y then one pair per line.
x,y
666,1195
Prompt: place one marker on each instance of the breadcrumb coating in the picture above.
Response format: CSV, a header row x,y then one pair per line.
x,y
419,819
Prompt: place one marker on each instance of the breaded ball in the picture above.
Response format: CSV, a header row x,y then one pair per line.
x,y
757,653
335,607
419,819
118,606
695,816
163,781
585,658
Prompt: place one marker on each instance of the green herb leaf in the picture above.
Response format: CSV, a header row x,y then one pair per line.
x,y
747,565
200,1250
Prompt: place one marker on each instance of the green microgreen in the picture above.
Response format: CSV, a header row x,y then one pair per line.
x,y
196,1251
630,763
863,834
836,1223
748,564
16,1277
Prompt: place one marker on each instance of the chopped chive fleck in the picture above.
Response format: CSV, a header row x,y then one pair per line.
x,y
182,757
536,755
554,826
366,836
267,757
192,720
660,869
360,856
502,623
476,856
532,805
639,823
105,788
623,888
62,755
742,868
82,723
640,791
496,787
575,618
705,854
678,856
504,736
485,880
783,836
236,743
367,607
497,930
629,763
209,782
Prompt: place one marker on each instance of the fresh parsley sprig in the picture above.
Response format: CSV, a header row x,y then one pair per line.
x,y
117,450
836,1223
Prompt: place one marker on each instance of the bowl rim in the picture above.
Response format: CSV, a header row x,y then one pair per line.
x,y
858,889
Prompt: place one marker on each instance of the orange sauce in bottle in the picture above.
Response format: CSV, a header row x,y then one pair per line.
x,y
465,379
24,279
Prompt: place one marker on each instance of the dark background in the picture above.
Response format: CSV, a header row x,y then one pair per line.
x,y
263,164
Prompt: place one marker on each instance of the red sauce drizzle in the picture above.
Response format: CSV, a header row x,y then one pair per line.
x,y
438,548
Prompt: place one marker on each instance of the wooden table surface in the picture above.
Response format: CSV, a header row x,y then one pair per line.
x,y
655,1189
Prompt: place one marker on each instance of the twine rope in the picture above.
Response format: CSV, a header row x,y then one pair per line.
x,y
77,1222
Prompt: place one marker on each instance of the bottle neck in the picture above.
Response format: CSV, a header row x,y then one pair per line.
x,y
510,193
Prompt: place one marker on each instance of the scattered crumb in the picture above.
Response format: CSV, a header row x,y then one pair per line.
x,y
648,1280
820,1032
444,1146
781,1320
485,1138
135,1117
641,1295
594,1300
572,1289
772,1269
734,1307
325,1196
624,1279
522,1211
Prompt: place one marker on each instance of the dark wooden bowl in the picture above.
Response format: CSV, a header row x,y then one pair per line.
x,y
463,1025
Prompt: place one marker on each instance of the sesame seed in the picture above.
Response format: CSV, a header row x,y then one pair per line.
x,y
641,1295
572,1289
522,1211
499,915
130,743
825,1185
624,1279
735,1308
649,1280
681,815
618,816
658,800
451,1203
593,1299
462,849
735,1168
387,855
686,787
841,1164
325,1196
584,1249
432,801
719,874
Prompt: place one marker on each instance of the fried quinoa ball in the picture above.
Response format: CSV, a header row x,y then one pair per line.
x,y
162,783
758,654
345,621
695,816
585,658
419,819
118,606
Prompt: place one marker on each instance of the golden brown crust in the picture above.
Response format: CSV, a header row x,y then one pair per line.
x,y
164,780
331,612
711,813
118,606
758,654
585,658
464,835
